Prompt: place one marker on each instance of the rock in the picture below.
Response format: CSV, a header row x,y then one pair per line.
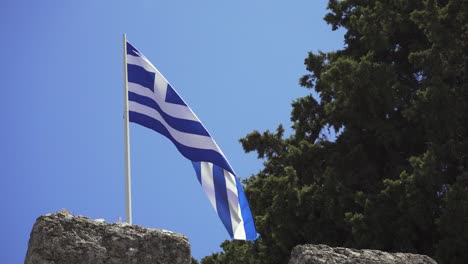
x,y
62,238
321,254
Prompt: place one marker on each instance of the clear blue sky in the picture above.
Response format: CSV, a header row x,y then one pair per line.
x,y
236,63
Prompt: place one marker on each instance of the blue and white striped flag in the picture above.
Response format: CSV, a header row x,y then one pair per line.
x,y
154,104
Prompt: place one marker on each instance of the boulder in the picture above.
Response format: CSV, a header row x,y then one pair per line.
x,y
321,254
63,238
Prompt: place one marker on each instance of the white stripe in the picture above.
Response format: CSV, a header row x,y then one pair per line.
x,y
142,62
143,91
206,171
187,139
234,206
174,110
160,87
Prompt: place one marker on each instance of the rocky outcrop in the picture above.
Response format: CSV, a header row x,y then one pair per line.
x,y
62,238
321,254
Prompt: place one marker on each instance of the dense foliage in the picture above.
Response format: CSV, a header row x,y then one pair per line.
x,y
379,158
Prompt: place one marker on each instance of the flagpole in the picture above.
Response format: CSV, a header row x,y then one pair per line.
x,y
128,183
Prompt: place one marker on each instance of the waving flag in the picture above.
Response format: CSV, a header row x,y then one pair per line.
x,y
153,103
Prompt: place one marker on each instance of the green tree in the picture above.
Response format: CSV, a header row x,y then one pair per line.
x,y
236,252
379,158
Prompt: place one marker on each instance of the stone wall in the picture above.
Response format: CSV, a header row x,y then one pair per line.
x,y
62,238
321,254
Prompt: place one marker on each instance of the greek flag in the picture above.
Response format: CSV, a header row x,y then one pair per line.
x,y
153,103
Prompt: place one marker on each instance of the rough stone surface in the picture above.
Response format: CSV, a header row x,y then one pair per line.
x,y
62,238
321,254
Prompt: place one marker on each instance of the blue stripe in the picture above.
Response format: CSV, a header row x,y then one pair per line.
x,y
173,97
139,75
132,50
249,225
197,167
193,154
183,125
222,202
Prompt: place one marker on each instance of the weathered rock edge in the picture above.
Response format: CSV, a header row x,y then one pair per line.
x,y
320,254
61,238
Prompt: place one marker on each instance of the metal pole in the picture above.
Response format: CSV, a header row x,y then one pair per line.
x,y
128,182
